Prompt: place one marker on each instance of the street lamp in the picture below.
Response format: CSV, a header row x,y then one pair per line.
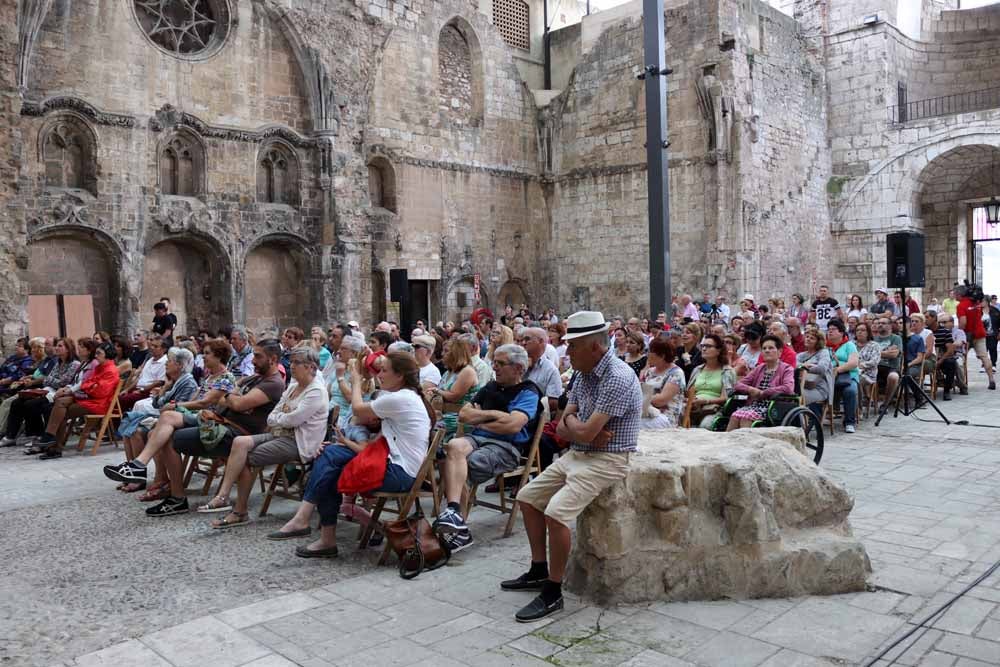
x,y
993,211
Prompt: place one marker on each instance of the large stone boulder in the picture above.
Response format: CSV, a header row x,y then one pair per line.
x,y
703,516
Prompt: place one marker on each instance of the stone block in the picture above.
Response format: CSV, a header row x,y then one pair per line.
x,y
704,516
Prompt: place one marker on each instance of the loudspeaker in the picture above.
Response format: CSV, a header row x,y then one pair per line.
x,y
905,257
399,288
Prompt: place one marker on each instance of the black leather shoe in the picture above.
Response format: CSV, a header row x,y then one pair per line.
x,y
537,609
50,454
523,583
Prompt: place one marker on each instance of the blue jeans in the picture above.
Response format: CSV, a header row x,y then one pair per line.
x,y
849,394
322,487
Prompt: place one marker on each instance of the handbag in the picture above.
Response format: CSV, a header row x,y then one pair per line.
x,y
366,471
415,543
842,380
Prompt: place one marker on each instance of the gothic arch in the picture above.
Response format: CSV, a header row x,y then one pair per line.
x,y
279,282
180,163
76,259
193,270
514,292
460,73
67,151
382,184
278,173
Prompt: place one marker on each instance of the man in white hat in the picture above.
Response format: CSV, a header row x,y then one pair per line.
x,y
601,420
423,351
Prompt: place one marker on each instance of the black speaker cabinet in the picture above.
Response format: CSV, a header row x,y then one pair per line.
x,y
398,285
905,258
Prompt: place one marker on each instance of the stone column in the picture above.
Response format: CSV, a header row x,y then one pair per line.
x,y
13,244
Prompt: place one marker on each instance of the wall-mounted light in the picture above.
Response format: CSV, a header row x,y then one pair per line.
x,y
870,19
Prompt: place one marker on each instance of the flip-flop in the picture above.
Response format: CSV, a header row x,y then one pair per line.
x,y
278,535
242,519
304,552
156,492
133,487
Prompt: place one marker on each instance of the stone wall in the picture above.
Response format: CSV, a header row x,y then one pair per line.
x,y
13,251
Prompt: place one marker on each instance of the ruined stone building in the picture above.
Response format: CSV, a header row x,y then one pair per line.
x,y
270,161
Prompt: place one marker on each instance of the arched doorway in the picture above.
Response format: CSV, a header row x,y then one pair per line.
x,y
513,294
950,189
275,291
184,271
73,264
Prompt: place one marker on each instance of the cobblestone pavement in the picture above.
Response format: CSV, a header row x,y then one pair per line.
x,y
87,575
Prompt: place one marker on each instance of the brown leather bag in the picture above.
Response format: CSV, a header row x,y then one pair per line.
x,y
416,545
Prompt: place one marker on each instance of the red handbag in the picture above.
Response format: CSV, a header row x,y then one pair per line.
x,y
366,471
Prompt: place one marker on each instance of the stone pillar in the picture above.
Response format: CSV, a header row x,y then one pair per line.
x,y
13,243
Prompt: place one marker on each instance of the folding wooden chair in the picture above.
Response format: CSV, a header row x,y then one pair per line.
x,y
106,428
686,419
405,501
530,464
277,483
210,467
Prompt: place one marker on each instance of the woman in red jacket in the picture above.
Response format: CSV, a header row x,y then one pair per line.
x,y
93,398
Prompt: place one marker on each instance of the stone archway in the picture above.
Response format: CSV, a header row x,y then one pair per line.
x,y
184,271
513,293
461,300
65,262
947,189
275,293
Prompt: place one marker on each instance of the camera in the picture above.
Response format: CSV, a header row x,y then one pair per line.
x,y
972,291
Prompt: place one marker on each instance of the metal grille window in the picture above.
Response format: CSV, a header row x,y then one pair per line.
x,y
511,19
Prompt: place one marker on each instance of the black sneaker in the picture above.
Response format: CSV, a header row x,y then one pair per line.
x,y
457,541
168,507
538,609
993,385
50,454
44,440
126,472
524,583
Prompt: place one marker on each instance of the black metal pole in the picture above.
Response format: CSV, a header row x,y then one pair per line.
x,y
655,72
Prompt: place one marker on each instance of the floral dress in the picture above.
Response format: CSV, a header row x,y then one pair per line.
x,y
449,420
670,416
758,408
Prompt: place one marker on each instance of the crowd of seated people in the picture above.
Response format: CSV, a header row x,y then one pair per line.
x,y
255,401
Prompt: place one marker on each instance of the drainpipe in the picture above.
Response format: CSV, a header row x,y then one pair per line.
x,y
546,55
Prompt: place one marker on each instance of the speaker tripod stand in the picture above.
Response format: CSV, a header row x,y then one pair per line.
x,y
907,387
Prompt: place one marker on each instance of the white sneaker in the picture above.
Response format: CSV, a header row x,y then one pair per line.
x,y
849,428
8,442
26,440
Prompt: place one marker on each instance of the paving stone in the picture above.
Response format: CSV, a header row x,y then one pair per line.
x,y
467,645
788,658
571,628
455,626
272,660
536,646
715,615
970,647
414,615
731,650
965,616
346,644
396,653
650,658
505,656
343,616
599,650
204,641
126,653
267,610
937,659
824,627
908,580
673,637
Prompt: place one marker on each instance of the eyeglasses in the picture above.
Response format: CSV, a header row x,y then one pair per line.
x,y
706,347
500,364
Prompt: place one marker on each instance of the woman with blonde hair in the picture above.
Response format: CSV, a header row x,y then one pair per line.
x,y
458,385
500,335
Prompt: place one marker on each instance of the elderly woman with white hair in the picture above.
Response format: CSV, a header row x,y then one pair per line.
x,y
180,387
296,429
339,383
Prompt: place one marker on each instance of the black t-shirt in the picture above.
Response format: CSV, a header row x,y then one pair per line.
x,y
138,357
164,323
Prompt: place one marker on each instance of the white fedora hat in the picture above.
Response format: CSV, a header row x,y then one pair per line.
x,y
584,323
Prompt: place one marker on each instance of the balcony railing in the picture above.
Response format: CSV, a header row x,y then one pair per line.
x,y
945,106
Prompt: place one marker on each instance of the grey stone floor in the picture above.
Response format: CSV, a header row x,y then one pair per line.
x,y
87,575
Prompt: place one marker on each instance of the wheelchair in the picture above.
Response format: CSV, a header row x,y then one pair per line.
x,y
782,410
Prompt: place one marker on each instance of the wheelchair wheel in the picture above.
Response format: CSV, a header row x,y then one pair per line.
x,y
803,418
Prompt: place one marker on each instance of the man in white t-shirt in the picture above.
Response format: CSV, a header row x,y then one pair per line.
x,y
423,349
152,373
541,371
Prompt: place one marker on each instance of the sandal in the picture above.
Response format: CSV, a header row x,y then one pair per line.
x,y
133,487
216,504
231,520
121,487
156,492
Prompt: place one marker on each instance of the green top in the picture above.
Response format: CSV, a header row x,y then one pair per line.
x,y
708,384
843,353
